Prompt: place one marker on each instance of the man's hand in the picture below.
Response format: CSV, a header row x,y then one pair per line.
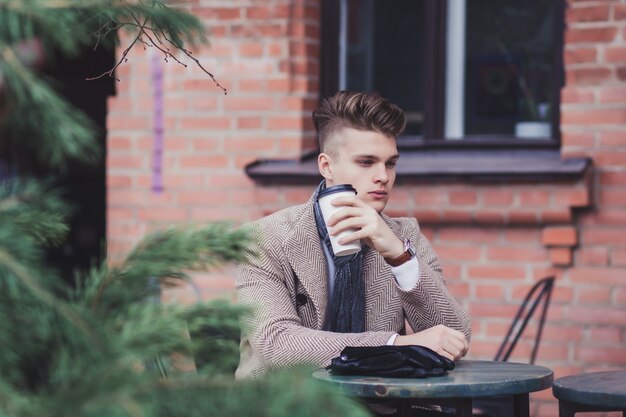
x,y
369,225
445,341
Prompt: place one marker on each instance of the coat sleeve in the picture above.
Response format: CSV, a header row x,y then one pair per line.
x,y
429,303
274,335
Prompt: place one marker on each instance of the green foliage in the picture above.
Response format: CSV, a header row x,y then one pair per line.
x,y
107,346
40,122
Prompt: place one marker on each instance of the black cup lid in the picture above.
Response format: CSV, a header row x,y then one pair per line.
x,y
336,189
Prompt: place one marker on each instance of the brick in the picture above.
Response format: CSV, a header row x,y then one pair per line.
x,y
612,197
559,236
523,236
249,122
618,257
613,158
268,12
298,104
613,95
590,35
593,295
458,252
594,116
285,123
205,123
497,197
162,214
462,197
487,291
182,181
533,198
584,139
597,275
238,179
614,138
492,310
256,104
606,335
198,85
619,12
615,54
490,217
561,256
206,144
457,216
134,122
588,76
604,236
574,56
249,144
430,197
592,256
562,333
459,291
575,197
496,272
522,217
120,213
251,49
125,161
593,13
215,213
218,13
555,216
593,353
598,315
119,143
118,181
621,70
577,95
612,178
206,162
464,235
250,85
201,103
515,254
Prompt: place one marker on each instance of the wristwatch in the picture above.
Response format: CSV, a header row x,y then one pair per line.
x,y
409,253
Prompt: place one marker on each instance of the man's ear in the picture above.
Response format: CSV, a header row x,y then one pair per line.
x,y
325,165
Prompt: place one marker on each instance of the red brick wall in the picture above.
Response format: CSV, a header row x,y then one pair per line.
x,y
494,240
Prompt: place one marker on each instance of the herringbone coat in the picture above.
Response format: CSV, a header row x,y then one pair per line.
x,y
286,284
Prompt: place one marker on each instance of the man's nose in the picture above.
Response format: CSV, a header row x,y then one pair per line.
x,y
381,174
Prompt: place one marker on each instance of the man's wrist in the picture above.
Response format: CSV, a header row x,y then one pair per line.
x,y
407,254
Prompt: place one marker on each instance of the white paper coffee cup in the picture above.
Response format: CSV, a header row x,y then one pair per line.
x,y
325,197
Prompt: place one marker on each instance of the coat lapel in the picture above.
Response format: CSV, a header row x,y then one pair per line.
x,y
306,257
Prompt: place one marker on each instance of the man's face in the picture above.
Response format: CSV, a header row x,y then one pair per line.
x,y
365,159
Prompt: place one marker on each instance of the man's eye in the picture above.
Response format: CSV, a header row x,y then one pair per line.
x,y
365,162
391,164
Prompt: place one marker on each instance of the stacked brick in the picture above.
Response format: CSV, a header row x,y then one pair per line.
x,y
494,240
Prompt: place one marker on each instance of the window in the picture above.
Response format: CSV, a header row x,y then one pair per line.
x,y
471,70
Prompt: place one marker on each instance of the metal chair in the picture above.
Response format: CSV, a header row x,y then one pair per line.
x,y
538,297
540,293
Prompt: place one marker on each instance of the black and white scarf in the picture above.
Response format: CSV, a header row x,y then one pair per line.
x,y
347,308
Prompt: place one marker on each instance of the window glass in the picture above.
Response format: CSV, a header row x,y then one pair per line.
x,y
509,70
384,53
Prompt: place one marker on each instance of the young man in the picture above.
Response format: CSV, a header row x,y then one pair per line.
x,y
309,304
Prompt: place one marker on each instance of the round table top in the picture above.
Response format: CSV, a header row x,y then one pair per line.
x,y
468,379
606,389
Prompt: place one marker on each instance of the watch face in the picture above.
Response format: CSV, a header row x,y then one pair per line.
x,y
410,248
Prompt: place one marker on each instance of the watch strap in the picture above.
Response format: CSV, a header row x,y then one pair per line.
x,y
408,254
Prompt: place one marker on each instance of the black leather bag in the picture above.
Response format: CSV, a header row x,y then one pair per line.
x,y
390,361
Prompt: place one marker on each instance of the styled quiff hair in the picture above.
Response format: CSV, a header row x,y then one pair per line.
x,y
360,111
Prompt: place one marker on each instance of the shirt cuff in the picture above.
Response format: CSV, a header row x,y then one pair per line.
x,y
408,274
392,340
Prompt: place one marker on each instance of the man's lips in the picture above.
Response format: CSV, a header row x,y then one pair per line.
x,y
378,194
